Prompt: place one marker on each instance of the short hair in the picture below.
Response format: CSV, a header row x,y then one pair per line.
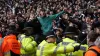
x,y
92,36
97,42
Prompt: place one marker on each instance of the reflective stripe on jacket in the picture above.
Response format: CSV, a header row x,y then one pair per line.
x,y
28,46
51,49
68,41
80,52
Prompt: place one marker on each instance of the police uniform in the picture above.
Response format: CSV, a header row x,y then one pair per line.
x,y
83,49
68,41
46,48
28,45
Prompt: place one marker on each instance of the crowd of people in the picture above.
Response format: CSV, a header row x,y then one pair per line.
x,y
46,19
19,12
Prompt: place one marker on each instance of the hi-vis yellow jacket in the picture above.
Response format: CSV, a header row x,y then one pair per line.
x,y
28,45
51,49
80,52
67,41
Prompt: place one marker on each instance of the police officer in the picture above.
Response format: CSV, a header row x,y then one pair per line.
x,y
68,40
28,43
48,47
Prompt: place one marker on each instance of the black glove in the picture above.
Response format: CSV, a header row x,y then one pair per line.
x,y
36,39
76,48
58,40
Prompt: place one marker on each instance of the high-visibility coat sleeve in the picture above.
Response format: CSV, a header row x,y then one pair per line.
x,y
30,46
46,49
63,49
53,50
83,48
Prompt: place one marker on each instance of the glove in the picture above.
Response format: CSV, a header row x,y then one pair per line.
x,y
76,48
58,40
36,39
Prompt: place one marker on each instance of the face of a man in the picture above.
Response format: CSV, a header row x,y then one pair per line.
x,y
88,19
97,30
99,19
58,32
52,39
29,32
42,13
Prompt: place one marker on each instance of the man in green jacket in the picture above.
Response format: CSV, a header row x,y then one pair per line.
x,y
46,21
